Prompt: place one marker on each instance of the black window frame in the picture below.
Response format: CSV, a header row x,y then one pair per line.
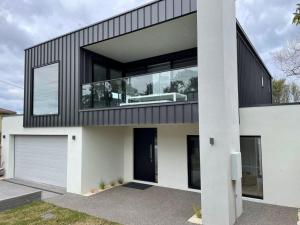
x,y
248,195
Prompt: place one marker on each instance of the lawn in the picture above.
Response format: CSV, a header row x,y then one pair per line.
x,y
42,213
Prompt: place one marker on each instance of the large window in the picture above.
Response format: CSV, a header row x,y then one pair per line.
x,y
252,181
45,90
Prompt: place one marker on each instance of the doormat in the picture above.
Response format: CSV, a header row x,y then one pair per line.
x,y
137,186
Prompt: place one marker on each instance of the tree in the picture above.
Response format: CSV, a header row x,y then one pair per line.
x,y
284,92
288,58
294,92
279,91
288,61
296,19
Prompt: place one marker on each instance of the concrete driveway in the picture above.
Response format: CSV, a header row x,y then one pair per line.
x,y
163,206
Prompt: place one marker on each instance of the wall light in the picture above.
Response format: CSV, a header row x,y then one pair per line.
x,y
73,137
211,141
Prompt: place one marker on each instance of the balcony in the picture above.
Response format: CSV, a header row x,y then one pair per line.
x,y
179,85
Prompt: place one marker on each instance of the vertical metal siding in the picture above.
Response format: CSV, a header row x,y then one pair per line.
x,y
250,72
66,51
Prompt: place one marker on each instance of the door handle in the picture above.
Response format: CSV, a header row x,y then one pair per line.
x,y
151,160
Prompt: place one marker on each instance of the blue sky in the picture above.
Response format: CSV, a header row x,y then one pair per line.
x,y
26,22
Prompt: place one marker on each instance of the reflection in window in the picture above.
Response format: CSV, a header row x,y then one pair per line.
x,y
164,87
45,90
108,93
169,86
86,93
252,181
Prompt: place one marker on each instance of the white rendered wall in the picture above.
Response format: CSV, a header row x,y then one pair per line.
x,y
279,128
103,156
13,125
221,198
172,154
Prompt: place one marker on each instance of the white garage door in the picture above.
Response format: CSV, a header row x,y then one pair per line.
x,y
41,159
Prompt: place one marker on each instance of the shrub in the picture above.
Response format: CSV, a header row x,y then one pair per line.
x,y
102,185
112,183
120,180
197,211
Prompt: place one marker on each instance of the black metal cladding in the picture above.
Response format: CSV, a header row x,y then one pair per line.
x,y
66,50
252,90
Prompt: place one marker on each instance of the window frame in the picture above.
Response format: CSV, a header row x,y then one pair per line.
x,y
32,89
263,190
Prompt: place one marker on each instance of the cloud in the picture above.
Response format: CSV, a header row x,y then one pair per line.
x,y
268,25
24,23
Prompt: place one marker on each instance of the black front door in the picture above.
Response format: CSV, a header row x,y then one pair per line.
x,y
144,154
194,162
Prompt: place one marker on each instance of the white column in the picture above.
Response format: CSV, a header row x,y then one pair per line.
x,y
218,110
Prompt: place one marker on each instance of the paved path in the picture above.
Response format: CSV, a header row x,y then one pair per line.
x,y
163,206
153,206
263,214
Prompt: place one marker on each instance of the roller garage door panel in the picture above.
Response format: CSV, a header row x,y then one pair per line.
x,y
41,159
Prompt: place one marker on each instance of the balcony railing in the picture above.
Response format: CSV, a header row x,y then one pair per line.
x,y
178,85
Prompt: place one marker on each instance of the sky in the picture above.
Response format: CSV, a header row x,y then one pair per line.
x,y
24,23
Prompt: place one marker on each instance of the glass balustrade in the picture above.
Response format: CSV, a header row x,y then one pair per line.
x,y
178,85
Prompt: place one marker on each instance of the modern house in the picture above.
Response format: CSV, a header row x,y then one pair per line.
x,y
126,97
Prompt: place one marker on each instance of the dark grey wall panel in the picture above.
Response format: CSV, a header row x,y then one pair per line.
x,y
152,114
251,72
162,11
177,7
134,20
169,9
141,18
154,13
193,5
122,24
147,16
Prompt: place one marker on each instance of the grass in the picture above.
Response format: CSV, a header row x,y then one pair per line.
x,y
35,213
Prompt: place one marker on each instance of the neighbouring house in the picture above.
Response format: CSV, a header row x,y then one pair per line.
x,y
121,98
3,112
